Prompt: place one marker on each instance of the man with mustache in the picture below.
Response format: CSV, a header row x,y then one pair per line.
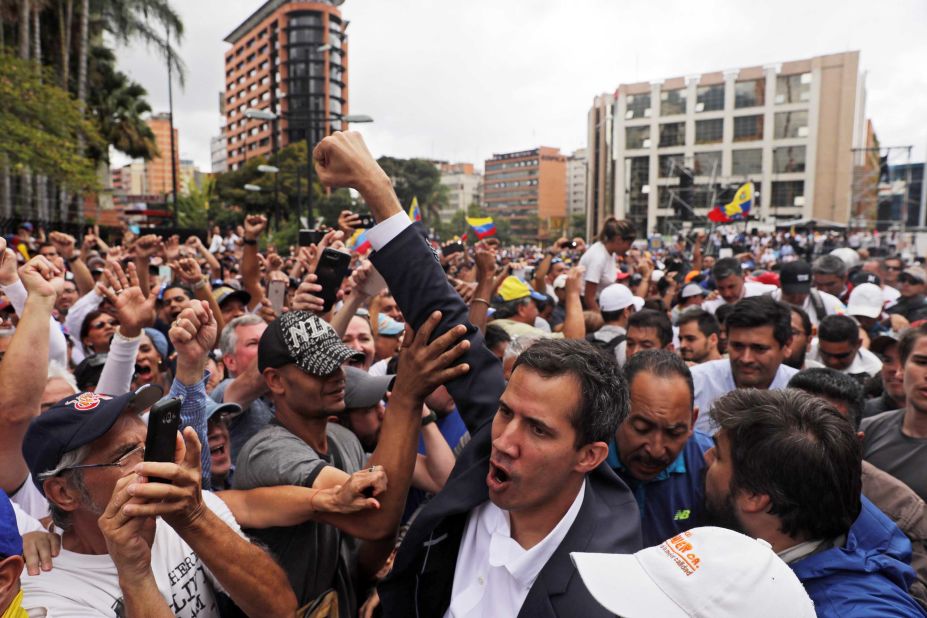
x,y
656,451
759,339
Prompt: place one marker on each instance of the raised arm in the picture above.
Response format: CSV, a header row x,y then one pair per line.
x,y
24,369
65,244
412,271
250,267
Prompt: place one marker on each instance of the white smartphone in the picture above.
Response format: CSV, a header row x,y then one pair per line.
x,y
165,274
276,293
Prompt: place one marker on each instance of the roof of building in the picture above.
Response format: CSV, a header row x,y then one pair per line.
x,y
266,10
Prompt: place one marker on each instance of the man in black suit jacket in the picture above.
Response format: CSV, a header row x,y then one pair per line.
x,y
537,450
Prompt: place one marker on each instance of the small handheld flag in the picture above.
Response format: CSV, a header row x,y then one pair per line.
x,y
483,226
737,209
359,243
415,212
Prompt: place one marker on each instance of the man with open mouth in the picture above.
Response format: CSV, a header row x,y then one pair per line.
x,y
532,484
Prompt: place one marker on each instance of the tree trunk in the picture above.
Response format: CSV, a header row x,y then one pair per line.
x,y
25,177
82,57
41,181
23,27
65,27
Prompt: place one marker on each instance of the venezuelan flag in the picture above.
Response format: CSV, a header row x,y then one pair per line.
x,y
359,242
415,213
483,226
739,207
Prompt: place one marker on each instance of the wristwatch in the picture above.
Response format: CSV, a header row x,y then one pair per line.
x,y
431,418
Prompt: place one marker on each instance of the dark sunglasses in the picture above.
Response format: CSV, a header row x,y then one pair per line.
x,y
909,279
895,268
103,323
840,356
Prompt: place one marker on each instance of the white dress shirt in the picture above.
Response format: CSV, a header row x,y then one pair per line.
x,y
494,573
715,379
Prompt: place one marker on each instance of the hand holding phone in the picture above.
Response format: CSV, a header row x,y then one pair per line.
x,y
310,237
276,294
163,424
331,271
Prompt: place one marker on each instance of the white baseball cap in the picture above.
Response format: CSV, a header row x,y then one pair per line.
x,y
866,300
617,296
709,572
693,289
560,281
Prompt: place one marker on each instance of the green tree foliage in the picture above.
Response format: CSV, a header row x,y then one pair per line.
x,y
193,209
117,105
417,178
40,125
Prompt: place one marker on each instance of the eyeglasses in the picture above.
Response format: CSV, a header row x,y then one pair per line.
x,y
895,268
103,323
908,279
119,463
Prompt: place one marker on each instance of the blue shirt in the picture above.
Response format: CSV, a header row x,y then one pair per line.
x,y
672,502
454,431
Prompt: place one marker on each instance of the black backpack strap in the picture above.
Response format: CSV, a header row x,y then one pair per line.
x,y
818,303
614,342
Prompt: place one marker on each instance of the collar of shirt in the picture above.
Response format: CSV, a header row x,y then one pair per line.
x,y
677,467
525,564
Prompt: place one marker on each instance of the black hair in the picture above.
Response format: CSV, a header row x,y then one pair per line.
x,y
617,228
89,319
829,265
908,340
649,318
722,312
173,285
661,363
803,316
707,324
602,388
612,316
495,335
757,311
832,384
726,267
839,328
798,450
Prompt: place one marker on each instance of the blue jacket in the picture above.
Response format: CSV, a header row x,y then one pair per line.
x,y
672,502
868,576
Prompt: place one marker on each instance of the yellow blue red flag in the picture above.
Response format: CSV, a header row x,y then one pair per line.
x,y
415,212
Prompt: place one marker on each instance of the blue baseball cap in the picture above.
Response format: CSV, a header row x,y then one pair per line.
x,y
11,543
76,421
388,326
214,407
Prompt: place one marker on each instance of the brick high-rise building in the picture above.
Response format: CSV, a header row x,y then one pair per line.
x,y
528,188
275,64
158,178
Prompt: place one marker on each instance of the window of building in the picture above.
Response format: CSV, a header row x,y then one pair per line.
x,y
709,98
747,162
637,137
789,159
704,163
638,175
669,164
748,128
791,124
709,131
673,102
638,106
788,193
672,134
750,93
306,19
793,88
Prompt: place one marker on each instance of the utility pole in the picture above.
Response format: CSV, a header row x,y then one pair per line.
x,y
170,106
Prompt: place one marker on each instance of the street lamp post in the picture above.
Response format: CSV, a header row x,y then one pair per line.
x,y
273,169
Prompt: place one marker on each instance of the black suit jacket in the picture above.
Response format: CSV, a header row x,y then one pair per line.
x,y
422,578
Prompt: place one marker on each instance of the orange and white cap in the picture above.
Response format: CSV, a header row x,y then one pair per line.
x,y
710,572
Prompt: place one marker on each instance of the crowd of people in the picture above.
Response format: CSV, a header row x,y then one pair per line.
x,y
730,424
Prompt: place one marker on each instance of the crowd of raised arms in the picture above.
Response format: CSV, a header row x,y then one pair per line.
x,y
728,423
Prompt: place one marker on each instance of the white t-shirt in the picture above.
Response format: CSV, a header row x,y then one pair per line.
x,y
30,499
751,288
832,305
82,585
600,265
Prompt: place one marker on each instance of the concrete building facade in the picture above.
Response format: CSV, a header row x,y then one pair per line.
x,y
576,183
218,154
527,188
464,187
789,128
275,64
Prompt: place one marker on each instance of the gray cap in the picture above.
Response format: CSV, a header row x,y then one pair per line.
x,y
916,272
305,340
362,390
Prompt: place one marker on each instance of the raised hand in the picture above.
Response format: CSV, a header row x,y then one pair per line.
x,y
193,334
64,243
425,366
305,298
37,276
574,282
188,269
134,309
358,492
8,264
254,226
348,221
343,160
172,248
485,262
147,246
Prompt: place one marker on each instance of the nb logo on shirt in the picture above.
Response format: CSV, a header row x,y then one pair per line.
x,y
682,514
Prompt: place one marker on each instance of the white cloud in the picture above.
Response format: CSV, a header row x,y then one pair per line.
x,y
461,80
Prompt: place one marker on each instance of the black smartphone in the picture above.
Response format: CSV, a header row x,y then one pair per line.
x,y
163,423
366,222
452,248
331,271
310,237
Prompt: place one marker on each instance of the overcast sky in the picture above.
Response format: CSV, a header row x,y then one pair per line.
x,y
462,80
